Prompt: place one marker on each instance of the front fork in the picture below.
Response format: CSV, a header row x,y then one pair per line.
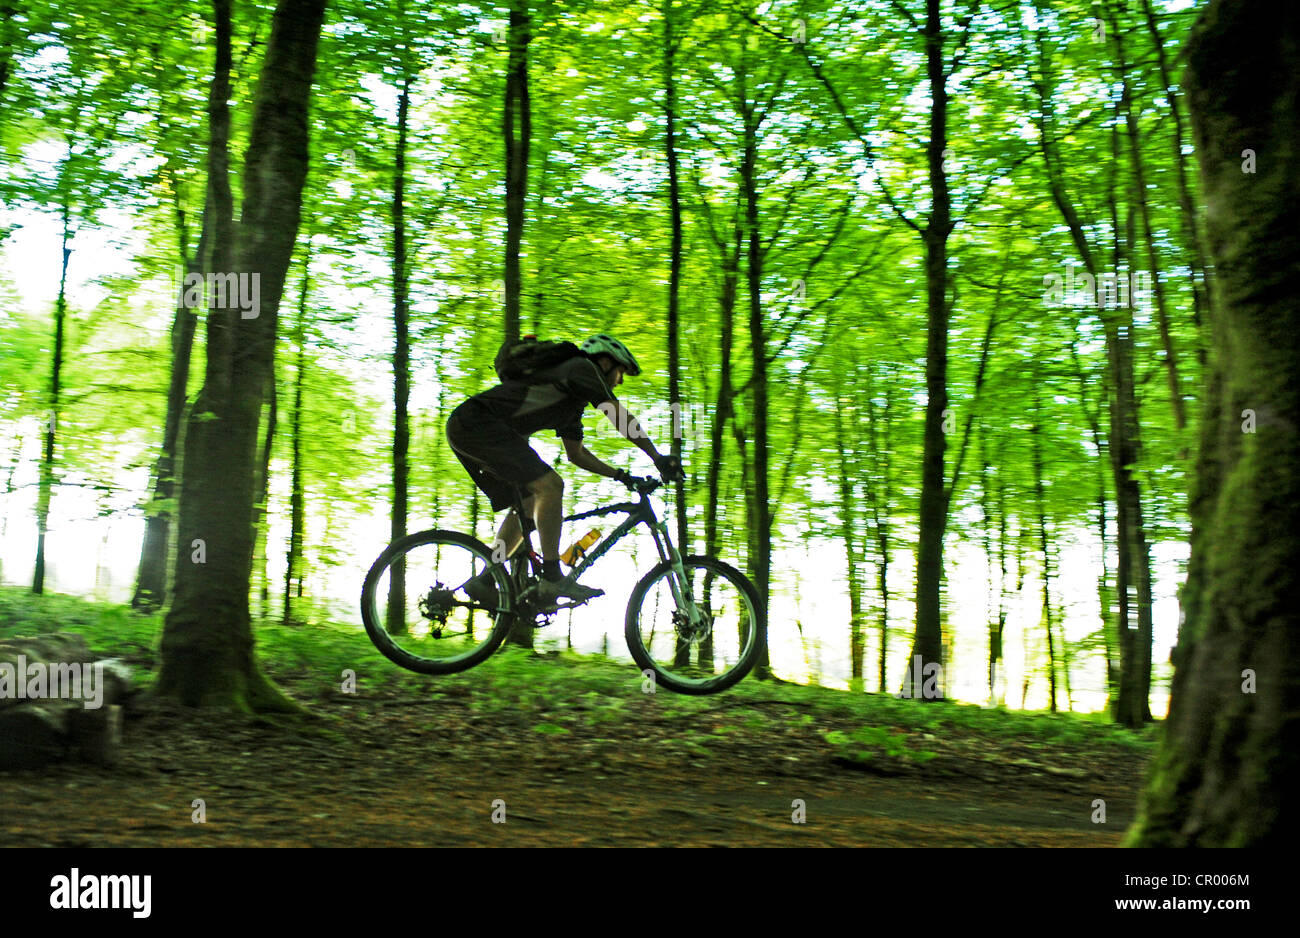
x,y
678,581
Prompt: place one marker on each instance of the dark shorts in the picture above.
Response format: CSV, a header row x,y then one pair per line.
x,y
496,457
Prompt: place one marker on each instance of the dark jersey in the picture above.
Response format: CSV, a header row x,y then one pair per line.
x,y
553,400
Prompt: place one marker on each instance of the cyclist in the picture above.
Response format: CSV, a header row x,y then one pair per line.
x,y
489,434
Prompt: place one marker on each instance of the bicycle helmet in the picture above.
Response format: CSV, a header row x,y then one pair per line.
x,y
608,345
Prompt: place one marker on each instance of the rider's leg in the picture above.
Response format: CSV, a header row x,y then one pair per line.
x,y
548,513
510,534
482,588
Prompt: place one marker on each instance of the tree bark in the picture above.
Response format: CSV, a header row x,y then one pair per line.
x,y
151,578
1189,209
46,490
264,495
7,42
848,534
1129,705
293,566
516,121
207,645
1133,583
879,498
1040,502
928,643
760,560
401,369
1227,766
674,269
723,401
1140,200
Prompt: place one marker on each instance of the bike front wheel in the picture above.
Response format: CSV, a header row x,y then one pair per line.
x,y
699,634
421,609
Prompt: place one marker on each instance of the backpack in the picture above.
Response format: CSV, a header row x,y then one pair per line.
x,y
522,359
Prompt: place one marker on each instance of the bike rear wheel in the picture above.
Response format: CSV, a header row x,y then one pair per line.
x,y
416,608
704,644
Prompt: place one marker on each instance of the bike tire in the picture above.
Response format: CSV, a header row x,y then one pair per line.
x,y
748,656
372,615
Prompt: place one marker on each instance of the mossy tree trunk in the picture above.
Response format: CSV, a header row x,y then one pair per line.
x,y
1227,766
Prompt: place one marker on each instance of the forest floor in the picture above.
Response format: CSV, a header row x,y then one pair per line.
x,y
562,750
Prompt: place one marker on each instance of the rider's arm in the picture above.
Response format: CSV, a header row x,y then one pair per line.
x,y
629,427
584,458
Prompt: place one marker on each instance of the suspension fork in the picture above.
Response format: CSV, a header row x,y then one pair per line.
x,y
678,582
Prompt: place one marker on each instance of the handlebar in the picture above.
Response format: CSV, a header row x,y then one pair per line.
x,y
644,485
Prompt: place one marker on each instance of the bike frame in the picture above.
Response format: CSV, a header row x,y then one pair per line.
x,y
638,512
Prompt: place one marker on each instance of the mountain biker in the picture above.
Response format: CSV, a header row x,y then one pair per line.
x,y
489,435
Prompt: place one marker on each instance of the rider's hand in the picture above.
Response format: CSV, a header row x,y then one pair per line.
x,y
670,467
622,475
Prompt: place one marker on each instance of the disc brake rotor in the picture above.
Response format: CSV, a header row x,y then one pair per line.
x,y
436,605
692,633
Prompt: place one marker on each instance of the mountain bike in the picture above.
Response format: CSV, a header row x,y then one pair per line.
x,y
695,622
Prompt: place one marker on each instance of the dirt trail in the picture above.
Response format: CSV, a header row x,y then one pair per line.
x,y
427,773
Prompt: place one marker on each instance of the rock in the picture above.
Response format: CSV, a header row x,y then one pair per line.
x,y
56,646
96,735
57,701
35,733
18,656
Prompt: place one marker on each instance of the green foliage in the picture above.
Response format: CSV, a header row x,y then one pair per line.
x,y
871,743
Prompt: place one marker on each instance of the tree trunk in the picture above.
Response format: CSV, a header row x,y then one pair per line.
x,y
1227,766
848,533
1129,705
760,560
993,607
996,639
517,129
674,270
401,371
722,408
293,565
516,126
264,496
151,578
1140,200
1040,502
46,491
879,498
1133,581
8,40
1189,210
207,644
928,643
723,404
